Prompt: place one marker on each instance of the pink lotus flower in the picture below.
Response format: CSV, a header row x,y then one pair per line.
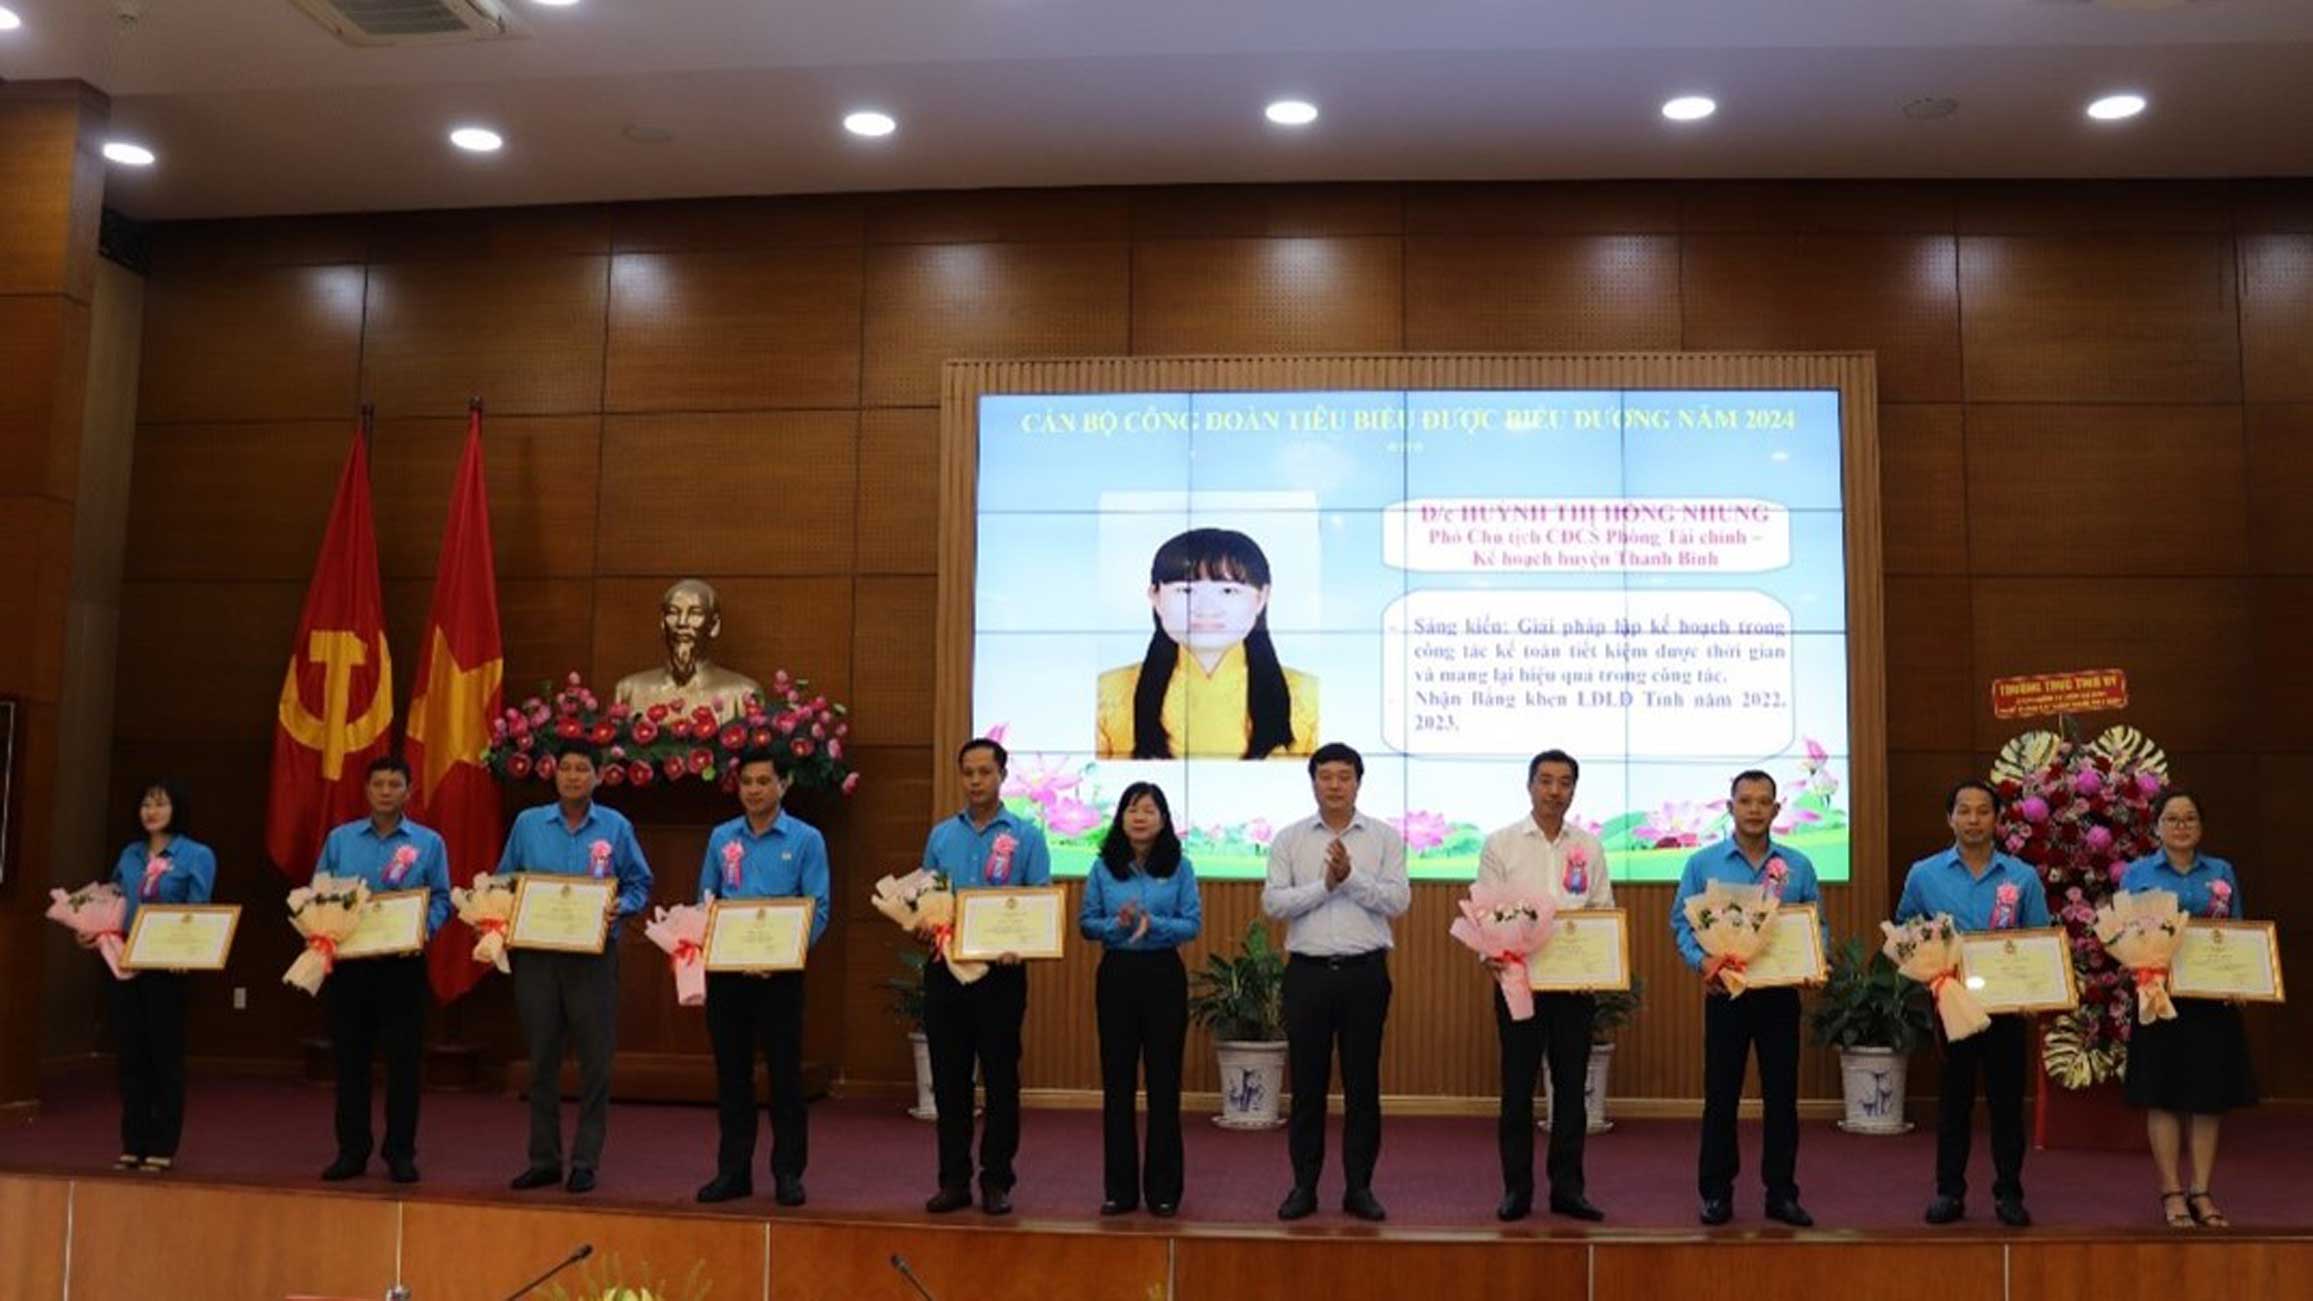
x,y
1041,779
997,732
1069,816
1422,829
1794,818
1674,825
1259,832
850,783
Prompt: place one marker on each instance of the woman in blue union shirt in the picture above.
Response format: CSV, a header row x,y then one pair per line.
x,y
1140,902
162,865
2188,1072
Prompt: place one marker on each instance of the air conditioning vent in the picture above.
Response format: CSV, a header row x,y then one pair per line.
x,y
408,22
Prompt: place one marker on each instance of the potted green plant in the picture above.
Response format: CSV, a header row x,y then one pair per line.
x,y
904,999
1615,1008
1875,1018
1240,997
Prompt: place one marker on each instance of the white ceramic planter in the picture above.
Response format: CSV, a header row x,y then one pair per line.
x,y
1593,1091
1872,1081
1252,1080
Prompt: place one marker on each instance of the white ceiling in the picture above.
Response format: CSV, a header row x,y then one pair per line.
x,y
254,108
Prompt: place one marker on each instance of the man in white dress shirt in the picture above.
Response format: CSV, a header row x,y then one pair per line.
x,y
1336,880
1540,855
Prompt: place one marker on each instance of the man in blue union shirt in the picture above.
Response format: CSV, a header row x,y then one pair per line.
x,y
765,853
1766,1018
985,845
572,996
380,1003
1983,890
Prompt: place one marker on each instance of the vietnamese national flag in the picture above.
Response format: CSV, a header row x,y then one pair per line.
x,y
337,699
457,691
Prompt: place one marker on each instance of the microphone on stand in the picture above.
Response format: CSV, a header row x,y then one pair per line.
x,y
900,1263
585,1249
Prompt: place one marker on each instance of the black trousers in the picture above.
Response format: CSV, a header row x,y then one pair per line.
x,y
1142,1004
378,1004
1330,1000
746,1014
148,1016
568,1000
1999,1051
1559,1031
963,1024
1768,1020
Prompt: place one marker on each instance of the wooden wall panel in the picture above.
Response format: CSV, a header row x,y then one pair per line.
x,y
1853,1272
496,233
488,1251
185,247
1774,207
728,494
523,333
928,303
1346,1269
132,1241
44,341
275,344
800,624
36,584
2094,207
999,216
1894,294
2099,319
2280,479
541,476
33,1215
810,1261
1563,293
893,692
742,223
2277,317
231,638
1931,686
734,331
1267,211
2147,490
1543,208
1923,488
2283,612
899,458
42,154
2151,1271
1263,296
192,516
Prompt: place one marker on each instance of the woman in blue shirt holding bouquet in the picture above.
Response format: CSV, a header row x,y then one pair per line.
x,y
1140,903
162,865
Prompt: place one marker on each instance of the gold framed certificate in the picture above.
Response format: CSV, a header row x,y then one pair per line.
x,y
1026,922
2227,959
2020,970
1793,954
563,913
394,923
181,937
758,934
1588,949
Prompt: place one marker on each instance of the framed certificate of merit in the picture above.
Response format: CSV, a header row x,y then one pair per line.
x,y
1588,949
1793,954
2019,970
394,923
1030,922
758,934
181,937
2227,959
562,913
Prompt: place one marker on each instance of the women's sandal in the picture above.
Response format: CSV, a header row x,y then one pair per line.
x,y
2211,1218
2182,1216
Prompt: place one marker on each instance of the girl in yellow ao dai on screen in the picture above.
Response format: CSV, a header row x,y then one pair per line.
x,y
1210,686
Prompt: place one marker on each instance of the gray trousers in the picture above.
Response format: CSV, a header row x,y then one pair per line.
x,y
568,998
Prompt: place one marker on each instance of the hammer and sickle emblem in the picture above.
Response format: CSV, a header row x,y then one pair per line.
x,y
337,733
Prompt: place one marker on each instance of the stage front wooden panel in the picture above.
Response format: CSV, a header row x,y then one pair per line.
x,y
812,1261
1345,1269
33,1223
1786,1266
2105,1270
133,1242
453,1250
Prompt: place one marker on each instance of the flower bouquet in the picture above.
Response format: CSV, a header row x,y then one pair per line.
x,y
2141,931
681,740
1731,923
922,904
325,913
682,932
488,907
95,910
1927,950
1507,927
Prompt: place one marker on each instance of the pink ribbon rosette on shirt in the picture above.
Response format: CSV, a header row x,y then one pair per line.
x,y
2220,900
1000,851
405,857
1575,880
2004,903
598,859
156,868
734,854
681,931
1778,876
95,910
1499,923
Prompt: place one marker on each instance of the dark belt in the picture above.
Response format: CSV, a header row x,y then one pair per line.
x,y
1336,963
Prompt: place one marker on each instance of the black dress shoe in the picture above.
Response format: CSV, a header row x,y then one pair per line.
x,y
1299,1204
1946,1210
1361,1203
2011,1212
343,1168
404,1171
1114,1207
789,1192
1718,1210
1787,1210
535,1177
1164,1210
994,1200
723,1188
581,1180
1576,1208
1514,1206
949,1199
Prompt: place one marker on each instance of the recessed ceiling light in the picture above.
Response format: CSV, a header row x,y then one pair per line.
x,y
2113,108
555,4
9,21
1689,108
870,123
476,139
1291,112
128,155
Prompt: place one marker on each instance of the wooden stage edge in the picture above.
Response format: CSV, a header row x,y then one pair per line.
x,y
196,1240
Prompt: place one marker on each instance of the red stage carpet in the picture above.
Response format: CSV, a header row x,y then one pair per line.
x,y
869,1159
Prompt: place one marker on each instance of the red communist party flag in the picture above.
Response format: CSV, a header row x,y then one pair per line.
x,y
337,699
457,691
